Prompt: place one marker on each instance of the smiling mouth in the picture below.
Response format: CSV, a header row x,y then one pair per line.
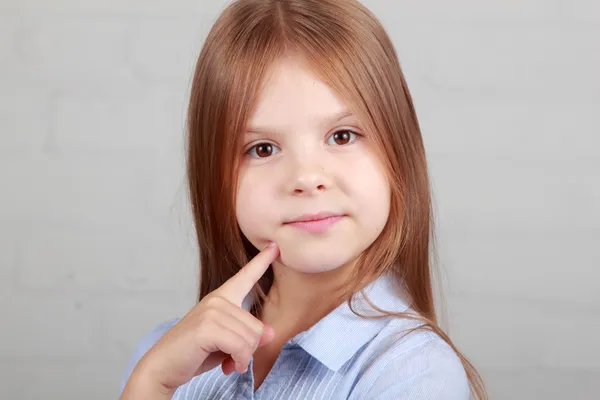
x,y
315,223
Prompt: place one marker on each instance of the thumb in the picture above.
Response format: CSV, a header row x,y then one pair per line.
x,y
212,361
267,336
227,363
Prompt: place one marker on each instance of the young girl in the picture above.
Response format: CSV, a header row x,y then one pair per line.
x,y
304,144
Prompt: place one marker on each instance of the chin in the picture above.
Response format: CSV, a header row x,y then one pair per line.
x,y
312,261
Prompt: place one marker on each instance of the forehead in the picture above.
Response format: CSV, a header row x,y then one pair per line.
x,y
293,97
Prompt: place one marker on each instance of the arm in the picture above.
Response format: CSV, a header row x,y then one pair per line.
x,y
133,379
139,387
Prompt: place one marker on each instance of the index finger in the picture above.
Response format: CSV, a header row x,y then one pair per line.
x,y
239,285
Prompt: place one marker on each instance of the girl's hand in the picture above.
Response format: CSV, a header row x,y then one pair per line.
x,y
215,331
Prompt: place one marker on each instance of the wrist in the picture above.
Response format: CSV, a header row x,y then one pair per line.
x,y
143,385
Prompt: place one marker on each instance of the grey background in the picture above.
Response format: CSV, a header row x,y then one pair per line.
x,y
95,239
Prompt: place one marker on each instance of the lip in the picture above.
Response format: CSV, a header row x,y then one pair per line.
x,y
319,222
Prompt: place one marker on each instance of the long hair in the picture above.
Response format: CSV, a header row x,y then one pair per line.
x,y
347,48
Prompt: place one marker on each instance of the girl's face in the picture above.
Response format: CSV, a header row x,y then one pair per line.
x,y
309,180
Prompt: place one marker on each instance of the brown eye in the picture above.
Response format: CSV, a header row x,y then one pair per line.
x,y
343,137
262,150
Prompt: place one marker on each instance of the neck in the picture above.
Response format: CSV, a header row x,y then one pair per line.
x,y
297,301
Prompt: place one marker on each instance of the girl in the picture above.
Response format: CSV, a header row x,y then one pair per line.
x,y
304,143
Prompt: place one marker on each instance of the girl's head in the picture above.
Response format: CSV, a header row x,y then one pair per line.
x,y
300,107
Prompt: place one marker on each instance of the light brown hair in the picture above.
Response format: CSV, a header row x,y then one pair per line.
x,y
345,46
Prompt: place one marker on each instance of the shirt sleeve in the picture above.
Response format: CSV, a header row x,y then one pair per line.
x,y
429,371
142,346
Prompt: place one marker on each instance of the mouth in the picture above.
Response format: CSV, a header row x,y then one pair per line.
x,y
319,222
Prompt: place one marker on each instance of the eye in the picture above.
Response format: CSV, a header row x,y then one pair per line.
x,y
262,150
342,137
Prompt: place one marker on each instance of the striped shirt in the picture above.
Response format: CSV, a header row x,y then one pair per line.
x,y
343,356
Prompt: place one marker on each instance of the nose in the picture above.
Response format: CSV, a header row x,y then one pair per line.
x,y
309,177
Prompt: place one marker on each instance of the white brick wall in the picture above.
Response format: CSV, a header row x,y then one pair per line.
x,y
95,238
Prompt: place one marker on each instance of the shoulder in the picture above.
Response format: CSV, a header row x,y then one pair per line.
x,y
414,365
144,344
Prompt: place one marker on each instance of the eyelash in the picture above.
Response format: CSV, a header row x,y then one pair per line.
x,y
355,134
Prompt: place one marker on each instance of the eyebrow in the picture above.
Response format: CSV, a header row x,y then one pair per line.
x,y
327,121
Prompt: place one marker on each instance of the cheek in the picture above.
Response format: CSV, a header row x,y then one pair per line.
x,y
372,192
252,206
368,180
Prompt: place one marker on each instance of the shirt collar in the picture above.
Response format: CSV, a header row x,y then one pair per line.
x,y
341,333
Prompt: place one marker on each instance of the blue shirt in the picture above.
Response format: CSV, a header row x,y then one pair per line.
x,y
331,359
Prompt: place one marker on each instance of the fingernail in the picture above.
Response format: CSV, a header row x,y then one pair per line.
x,y
272,244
